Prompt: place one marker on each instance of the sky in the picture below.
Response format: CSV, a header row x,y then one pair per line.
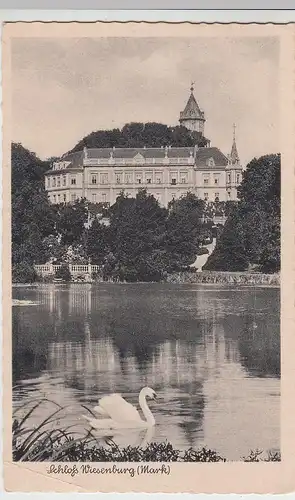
x,y
63,89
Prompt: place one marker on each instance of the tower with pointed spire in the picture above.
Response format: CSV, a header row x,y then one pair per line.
x,y
234,156
192,117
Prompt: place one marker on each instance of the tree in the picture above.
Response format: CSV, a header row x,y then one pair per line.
x,y
138,135
97,242
137,232
22,272
32,214
70,221
184,232
251,234
230,253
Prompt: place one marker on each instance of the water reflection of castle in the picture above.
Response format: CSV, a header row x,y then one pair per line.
x,y
115,339
172,363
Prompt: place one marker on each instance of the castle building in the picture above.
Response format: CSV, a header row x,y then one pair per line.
x,y
101,174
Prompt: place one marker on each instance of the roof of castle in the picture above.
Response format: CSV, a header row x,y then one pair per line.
x,y
192,110
74,160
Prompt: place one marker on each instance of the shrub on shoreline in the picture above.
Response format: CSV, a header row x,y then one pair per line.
x,y
50,443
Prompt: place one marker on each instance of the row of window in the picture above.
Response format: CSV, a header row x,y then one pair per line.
x,y
129,179
62,198
206,179
102,198
216,196
60,181
229,178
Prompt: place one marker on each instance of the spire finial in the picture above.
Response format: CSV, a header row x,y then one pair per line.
x,y
234,131
192,87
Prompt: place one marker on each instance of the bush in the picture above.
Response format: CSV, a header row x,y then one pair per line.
x,y
63,273
23,273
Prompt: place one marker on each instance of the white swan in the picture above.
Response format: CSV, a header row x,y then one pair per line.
x,y
122,414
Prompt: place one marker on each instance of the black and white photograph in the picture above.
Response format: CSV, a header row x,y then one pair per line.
x,y
145,248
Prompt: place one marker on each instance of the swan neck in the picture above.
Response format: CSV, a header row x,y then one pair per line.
x,y
145,409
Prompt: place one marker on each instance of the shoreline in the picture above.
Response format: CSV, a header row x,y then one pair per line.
x,y
233,285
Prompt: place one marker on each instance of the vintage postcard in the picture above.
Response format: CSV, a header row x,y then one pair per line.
x,y
148,257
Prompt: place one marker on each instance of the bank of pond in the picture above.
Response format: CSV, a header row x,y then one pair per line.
x,y
183,277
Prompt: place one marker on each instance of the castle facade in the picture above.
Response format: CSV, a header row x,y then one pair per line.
x,y
101,174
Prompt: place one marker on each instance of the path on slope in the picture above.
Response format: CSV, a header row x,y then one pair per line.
x,y
202,259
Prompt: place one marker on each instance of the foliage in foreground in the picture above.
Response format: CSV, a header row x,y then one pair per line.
x,y
49,442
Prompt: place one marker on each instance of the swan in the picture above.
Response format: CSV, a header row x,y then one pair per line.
x,y
122,415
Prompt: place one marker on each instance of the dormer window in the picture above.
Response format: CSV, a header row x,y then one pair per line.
x,y
138,158
210,162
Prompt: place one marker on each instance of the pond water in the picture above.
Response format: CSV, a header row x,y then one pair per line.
x,y
211,353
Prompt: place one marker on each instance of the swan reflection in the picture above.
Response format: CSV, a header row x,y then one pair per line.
x,y
125,437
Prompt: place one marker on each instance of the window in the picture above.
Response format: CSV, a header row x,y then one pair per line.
x,y
58,198
118,178
104,178
216,196
183,180
53,182
138,178
149,180
64,180
158,180
206,181
173,181
73,197
94,179
65,197
238,178
73,181
48,182
103,197
93,197
228,177
128,178
205,196
58,182
54,198
229,195
216,181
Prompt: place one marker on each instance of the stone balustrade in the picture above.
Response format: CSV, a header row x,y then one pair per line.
x,y
75,269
